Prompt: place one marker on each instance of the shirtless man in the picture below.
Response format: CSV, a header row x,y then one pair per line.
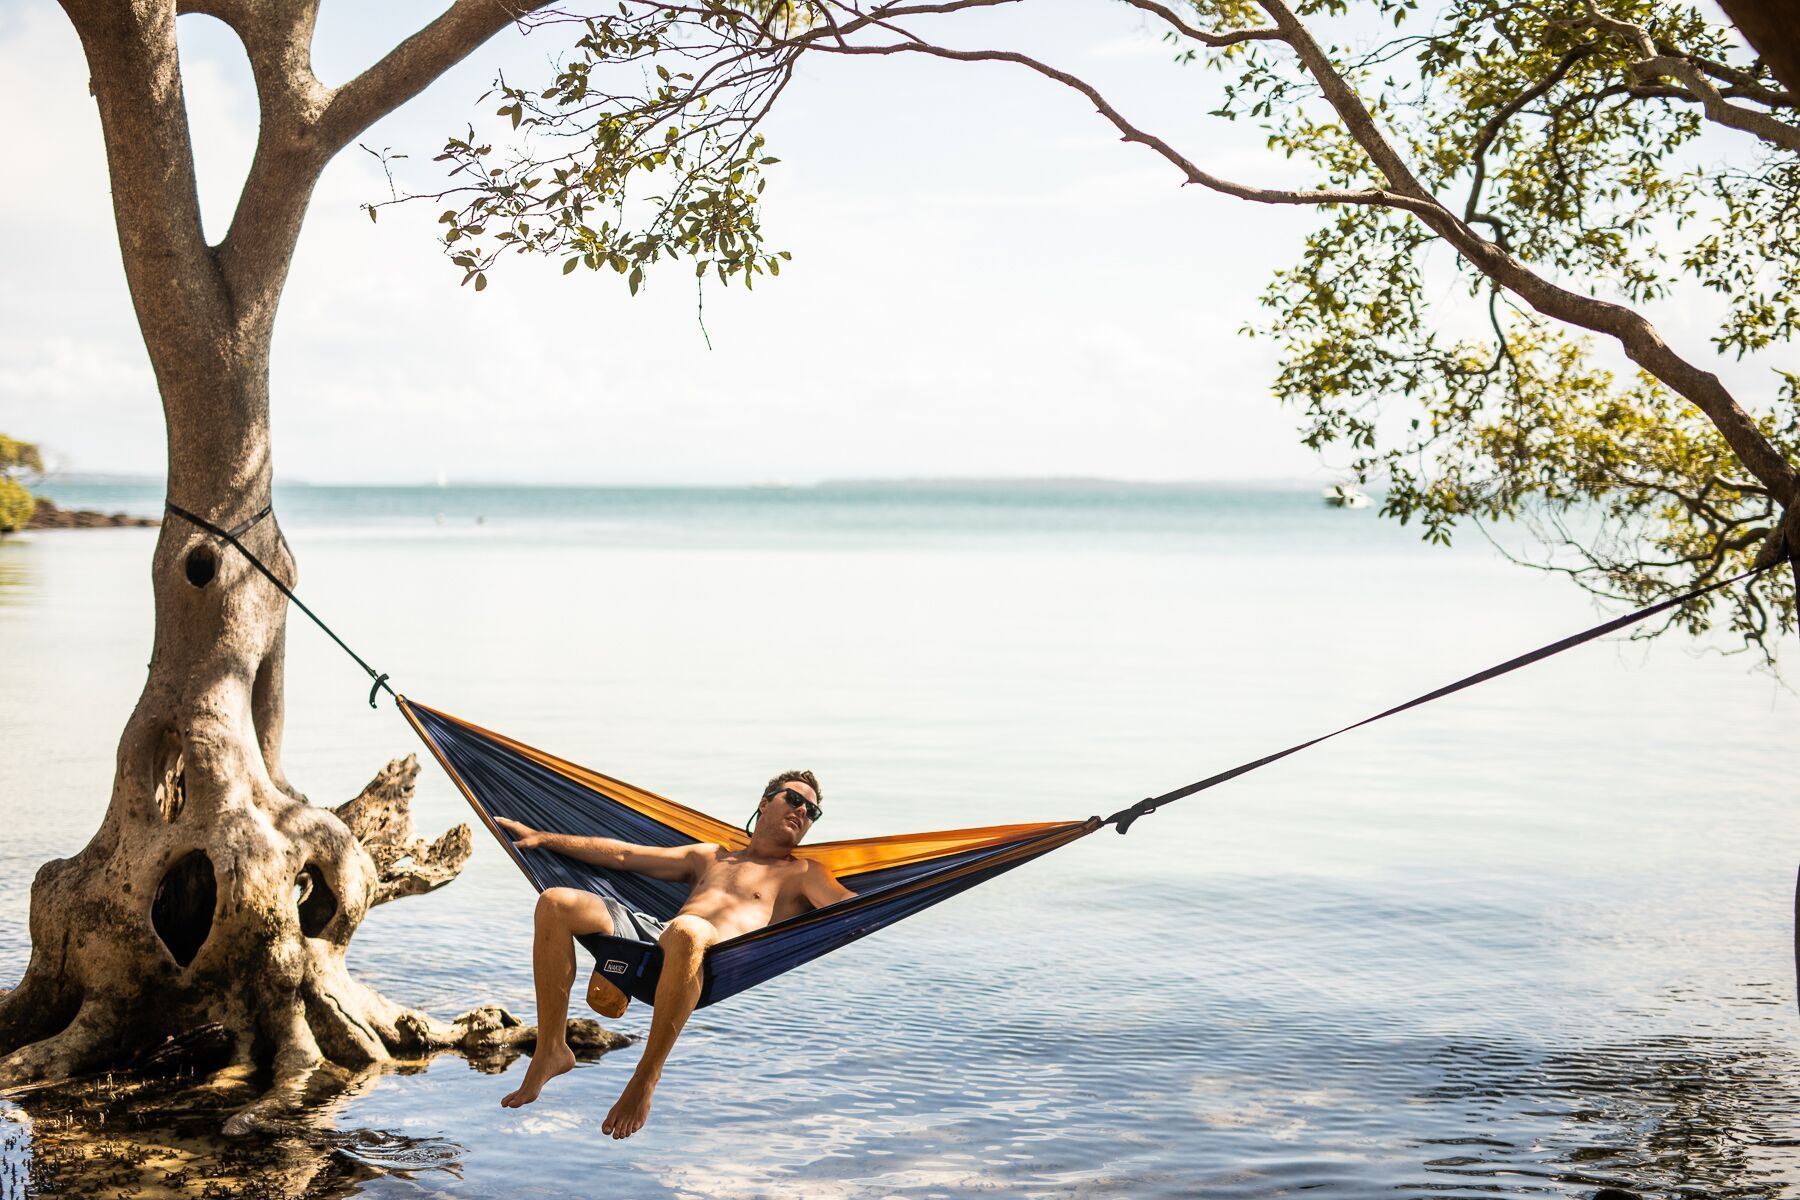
x,y
733,892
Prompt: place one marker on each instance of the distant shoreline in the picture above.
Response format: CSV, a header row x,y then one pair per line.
x,y
919,483
48,515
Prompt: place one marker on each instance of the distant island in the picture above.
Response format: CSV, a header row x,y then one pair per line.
x,y
891,483
1095,482
48,516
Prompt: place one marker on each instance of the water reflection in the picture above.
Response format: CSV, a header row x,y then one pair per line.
x,y
17,580
156,1137
1661,1116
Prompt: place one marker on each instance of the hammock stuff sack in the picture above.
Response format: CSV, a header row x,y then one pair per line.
x,y
893,877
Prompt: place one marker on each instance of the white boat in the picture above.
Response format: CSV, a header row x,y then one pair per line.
x,y
1345,495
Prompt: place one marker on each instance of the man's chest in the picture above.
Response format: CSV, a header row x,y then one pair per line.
x,y
752,881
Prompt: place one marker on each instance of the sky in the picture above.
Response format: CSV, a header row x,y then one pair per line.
x,y
985,282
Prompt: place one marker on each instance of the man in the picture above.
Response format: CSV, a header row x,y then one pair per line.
x,y
732,892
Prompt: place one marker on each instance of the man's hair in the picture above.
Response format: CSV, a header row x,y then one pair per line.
x,y
805,777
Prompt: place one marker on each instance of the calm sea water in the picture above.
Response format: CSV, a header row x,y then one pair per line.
x,y
1532,940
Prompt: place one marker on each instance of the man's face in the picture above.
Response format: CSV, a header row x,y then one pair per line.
x,y
780,815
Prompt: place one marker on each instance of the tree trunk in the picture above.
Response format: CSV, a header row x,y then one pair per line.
x,y
214,894
1772,27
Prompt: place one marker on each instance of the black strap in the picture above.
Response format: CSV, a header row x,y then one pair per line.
x,y
1125,816
237,531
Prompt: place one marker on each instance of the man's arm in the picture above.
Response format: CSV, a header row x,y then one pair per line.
x,y
822,887
677,863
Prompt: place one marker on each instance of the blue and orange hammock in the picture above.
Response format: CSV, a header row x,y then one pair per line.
x,y
893,877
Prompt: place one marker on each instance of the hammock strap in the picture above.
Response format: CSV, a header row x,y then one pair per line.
x,y
1125,816
237,531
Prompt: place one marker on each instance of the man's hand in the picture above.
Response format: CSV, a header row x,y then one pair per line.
x,y
523,836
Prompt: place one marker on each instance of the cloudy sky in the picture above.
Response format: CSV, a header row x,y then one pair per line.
x,y
985,282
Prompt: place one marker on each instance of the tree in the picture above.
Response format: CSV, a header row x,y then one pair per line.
x,y
214,895
18,460
213,891
1552,149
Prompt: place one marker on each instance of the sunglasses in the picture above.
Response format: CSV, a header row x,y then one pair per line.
x,y
796,800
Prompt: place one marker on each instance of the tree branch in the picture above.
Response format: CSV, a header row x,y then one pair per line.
x,y
1217,41
412,65
1132,133
258,248
1507,112
176,287
1658,62
1640,340
1717,109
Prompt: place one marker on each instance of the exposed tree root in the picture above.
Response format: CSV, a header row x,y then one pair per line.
x,y
158,1134
213,923
381,819
86,1042
31,1011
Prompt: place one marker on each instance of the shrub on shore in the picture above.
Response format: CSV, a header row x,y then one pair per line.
x,y
17,459
16,506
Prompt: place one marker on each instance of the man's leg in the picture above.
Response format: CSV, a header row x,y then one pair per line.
x,y
561,914
684,945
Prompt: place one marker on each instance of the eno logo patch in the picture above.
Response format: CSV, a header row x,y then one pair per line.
x,y
614,967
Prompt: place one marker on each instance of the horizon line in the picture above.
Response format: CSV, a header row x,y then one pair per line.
x,y
770,484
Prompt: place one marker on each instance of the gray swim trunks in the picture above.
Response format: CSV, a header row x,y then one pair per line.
x,y
627,924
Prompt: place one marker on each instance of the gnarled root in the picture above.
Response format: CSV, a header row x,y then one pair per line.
x,y
381,819
230,909
85,1042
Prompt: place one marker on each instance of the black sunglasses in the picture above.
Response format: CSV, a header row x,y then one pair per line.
x,y
795,800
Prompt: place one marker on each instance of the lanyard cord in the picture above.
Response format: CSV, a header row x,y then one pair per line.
x,y
237,531
1125,816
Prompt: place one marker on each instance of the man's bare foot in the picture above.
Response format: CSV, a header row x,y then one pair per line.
x,y
546,1064
604,998
631,1109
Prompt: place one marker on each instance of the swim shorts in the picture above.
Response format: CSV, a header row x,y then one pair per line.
x,y
635,925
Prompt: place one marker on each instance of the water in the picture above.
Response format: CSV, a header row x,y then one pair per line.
x,y
1535,939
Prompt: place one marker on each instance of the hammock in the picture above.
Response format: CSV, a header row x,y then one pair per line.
x,y
893,877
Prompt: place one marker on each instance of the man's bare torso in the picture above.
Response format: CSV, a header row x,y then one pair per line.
x,y
738,893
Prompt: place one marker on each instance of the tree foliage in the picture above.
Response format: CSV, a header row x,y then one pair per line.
x,y
1547,127
18,460
621,162
1507,190
16,506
